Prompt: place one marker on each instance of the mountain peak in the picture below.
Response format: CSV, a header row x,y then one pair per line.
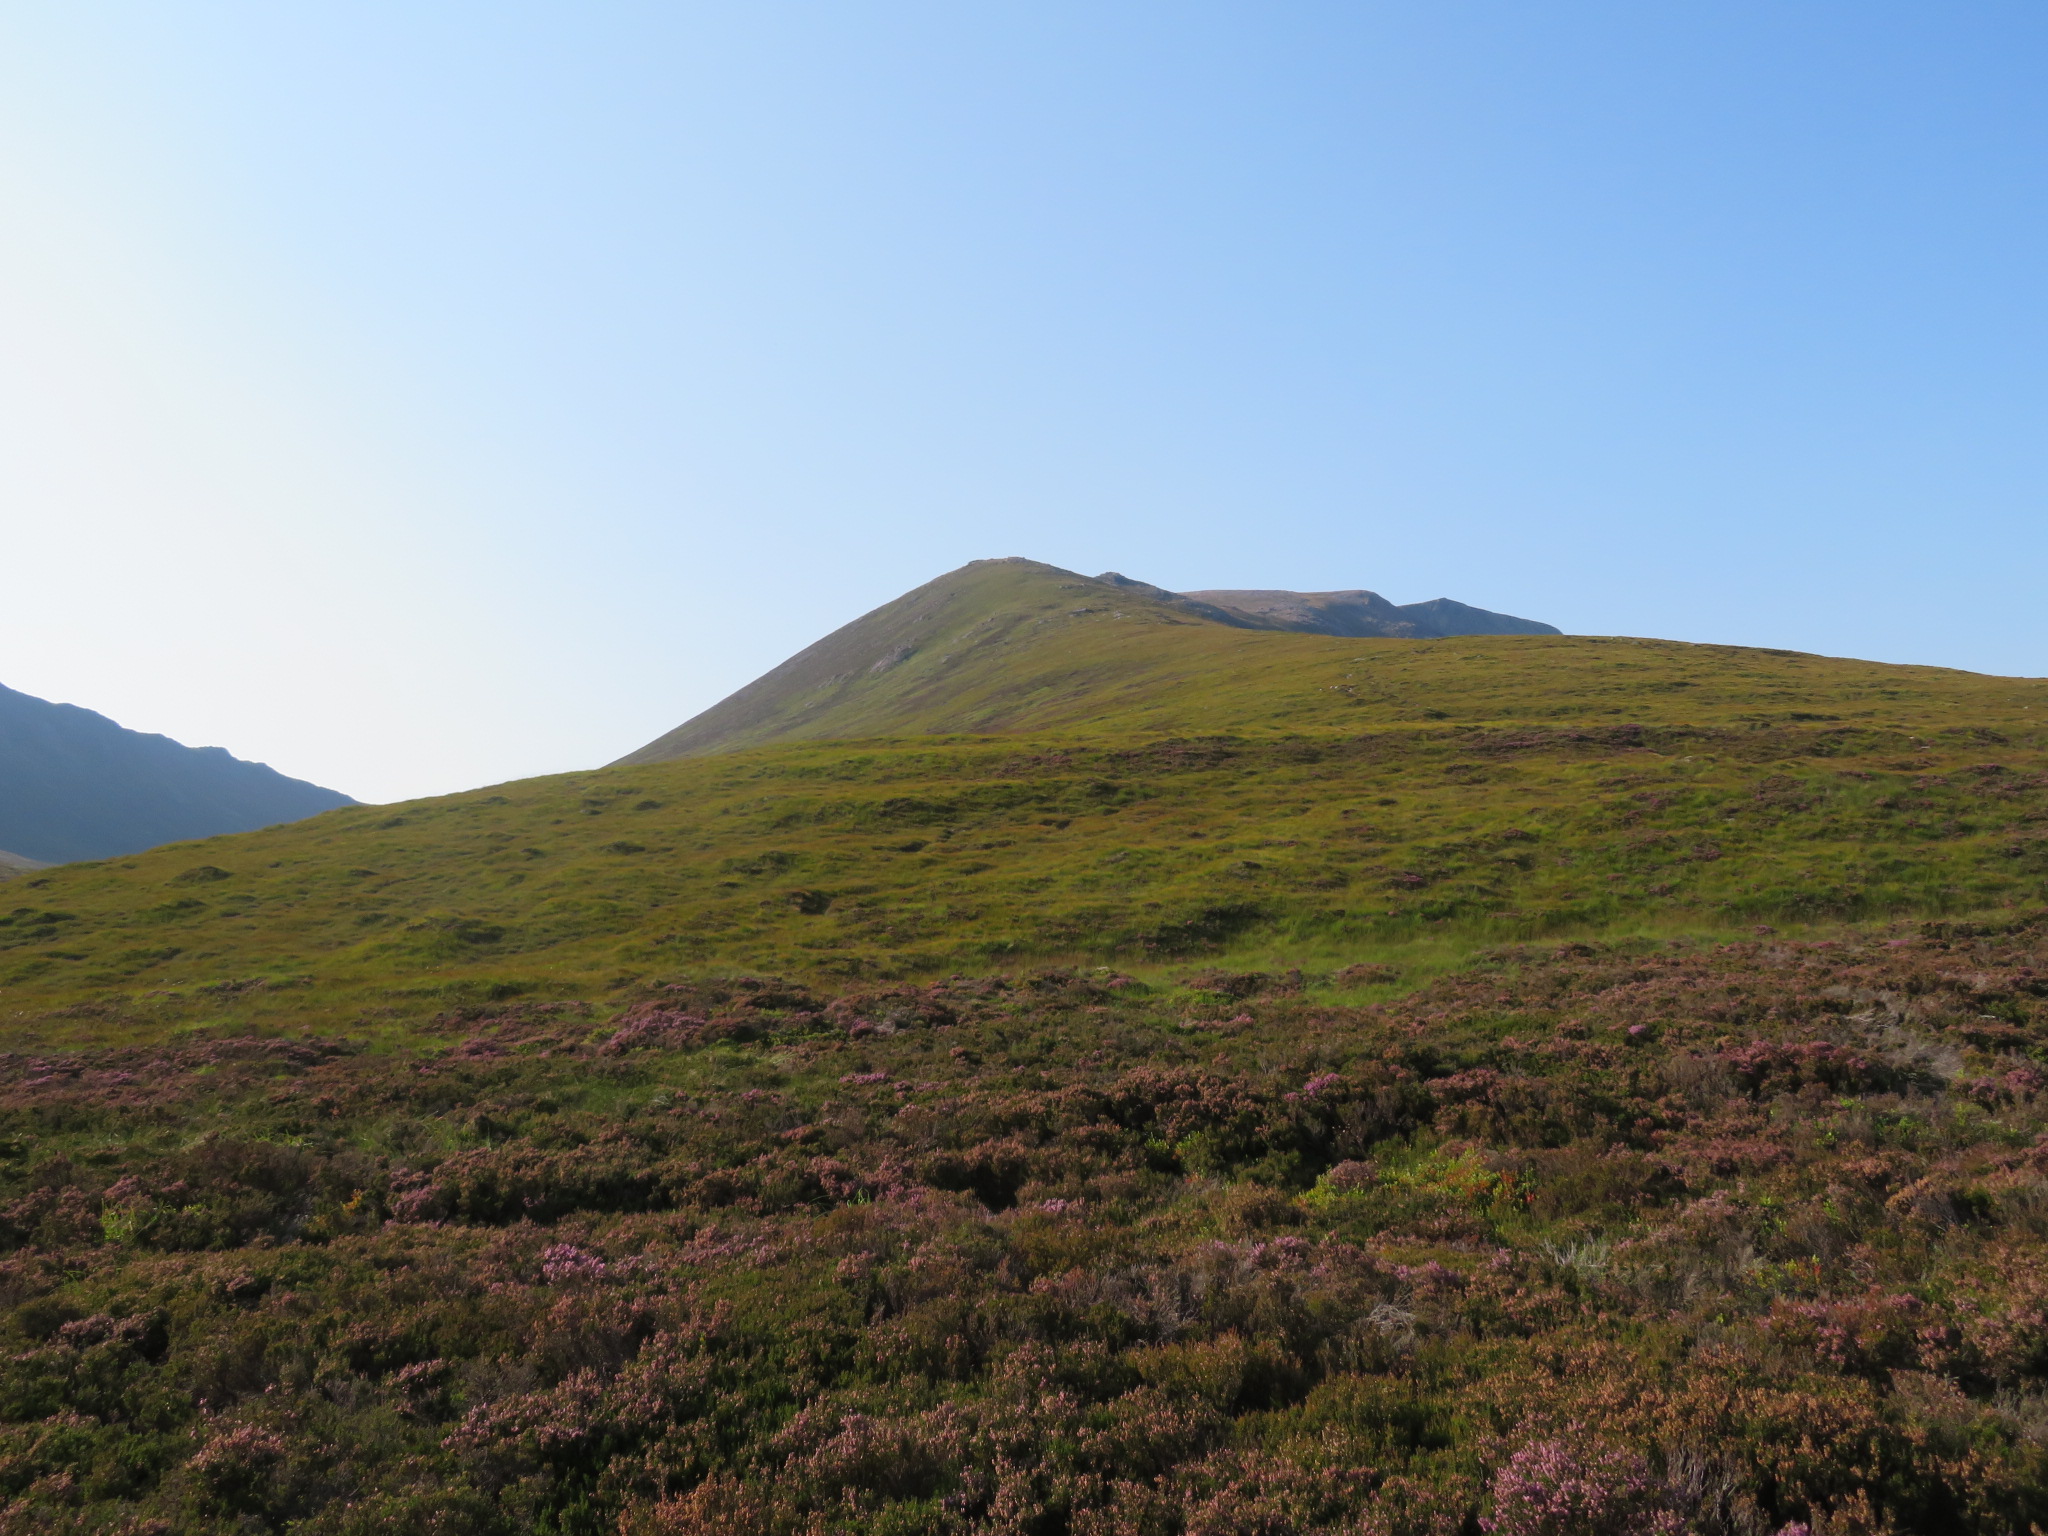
x,y
1007,643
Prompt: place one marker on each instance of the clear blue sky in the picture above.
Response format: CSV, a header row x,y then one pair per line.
x,y
420,395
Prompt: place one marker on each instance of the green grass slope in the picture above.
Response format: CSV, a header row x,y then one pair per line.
x,y
1577,786
966,651
1012,647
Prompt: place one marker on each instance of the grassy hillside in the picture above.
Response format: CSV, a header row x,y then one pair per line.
x,y
894,859
1015,647
1530,1086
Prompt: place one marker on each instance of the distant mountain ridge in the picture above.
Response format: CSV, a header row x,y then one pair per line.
x,y
1356,613
75,785
1010,644
1361,614
12,864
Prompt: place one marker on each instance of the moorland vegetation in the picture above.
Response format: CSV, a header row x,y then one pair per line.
x,y
1514,1085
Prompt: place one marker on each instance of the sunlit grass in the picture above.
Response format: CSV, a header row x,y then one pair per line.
x,y
1412,847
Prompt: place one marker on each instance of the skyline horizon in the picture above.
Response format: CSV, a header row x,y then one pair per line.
x,y
414,398
617,759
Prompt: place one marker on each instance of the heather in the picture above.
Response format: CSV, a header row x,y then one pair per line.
x,y
1482,1088
1653,1235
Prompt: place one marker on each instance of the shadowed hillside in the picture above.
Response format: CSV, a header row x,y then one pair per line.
x,y
74,785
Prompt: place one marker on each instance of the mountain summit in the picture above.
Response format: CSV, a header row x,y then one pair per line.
x,y
1012,644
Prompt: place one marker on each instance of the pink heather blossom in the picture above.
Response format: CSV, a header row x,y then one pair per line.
x,y
564,1261
1555,1488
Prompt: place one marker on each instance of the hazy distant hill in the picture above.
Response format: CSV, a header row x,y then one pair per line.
x,y
12,864
1006,645
74,785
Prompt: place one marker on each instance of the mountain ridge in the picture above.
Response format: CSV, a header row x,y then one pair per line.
x,y
77,785
1359,614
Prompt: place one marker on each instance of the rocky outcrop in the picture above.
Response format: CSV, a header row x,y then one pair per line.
x,y
1363,613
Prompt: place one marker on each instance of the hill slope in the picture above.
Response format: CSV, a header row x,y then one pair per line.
x,y
1013,647
1096,1131
74,785
1573,785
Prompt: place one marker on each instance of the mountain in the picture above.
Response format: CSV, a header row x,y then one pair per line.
x,y
74,785
1005,647
985,648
